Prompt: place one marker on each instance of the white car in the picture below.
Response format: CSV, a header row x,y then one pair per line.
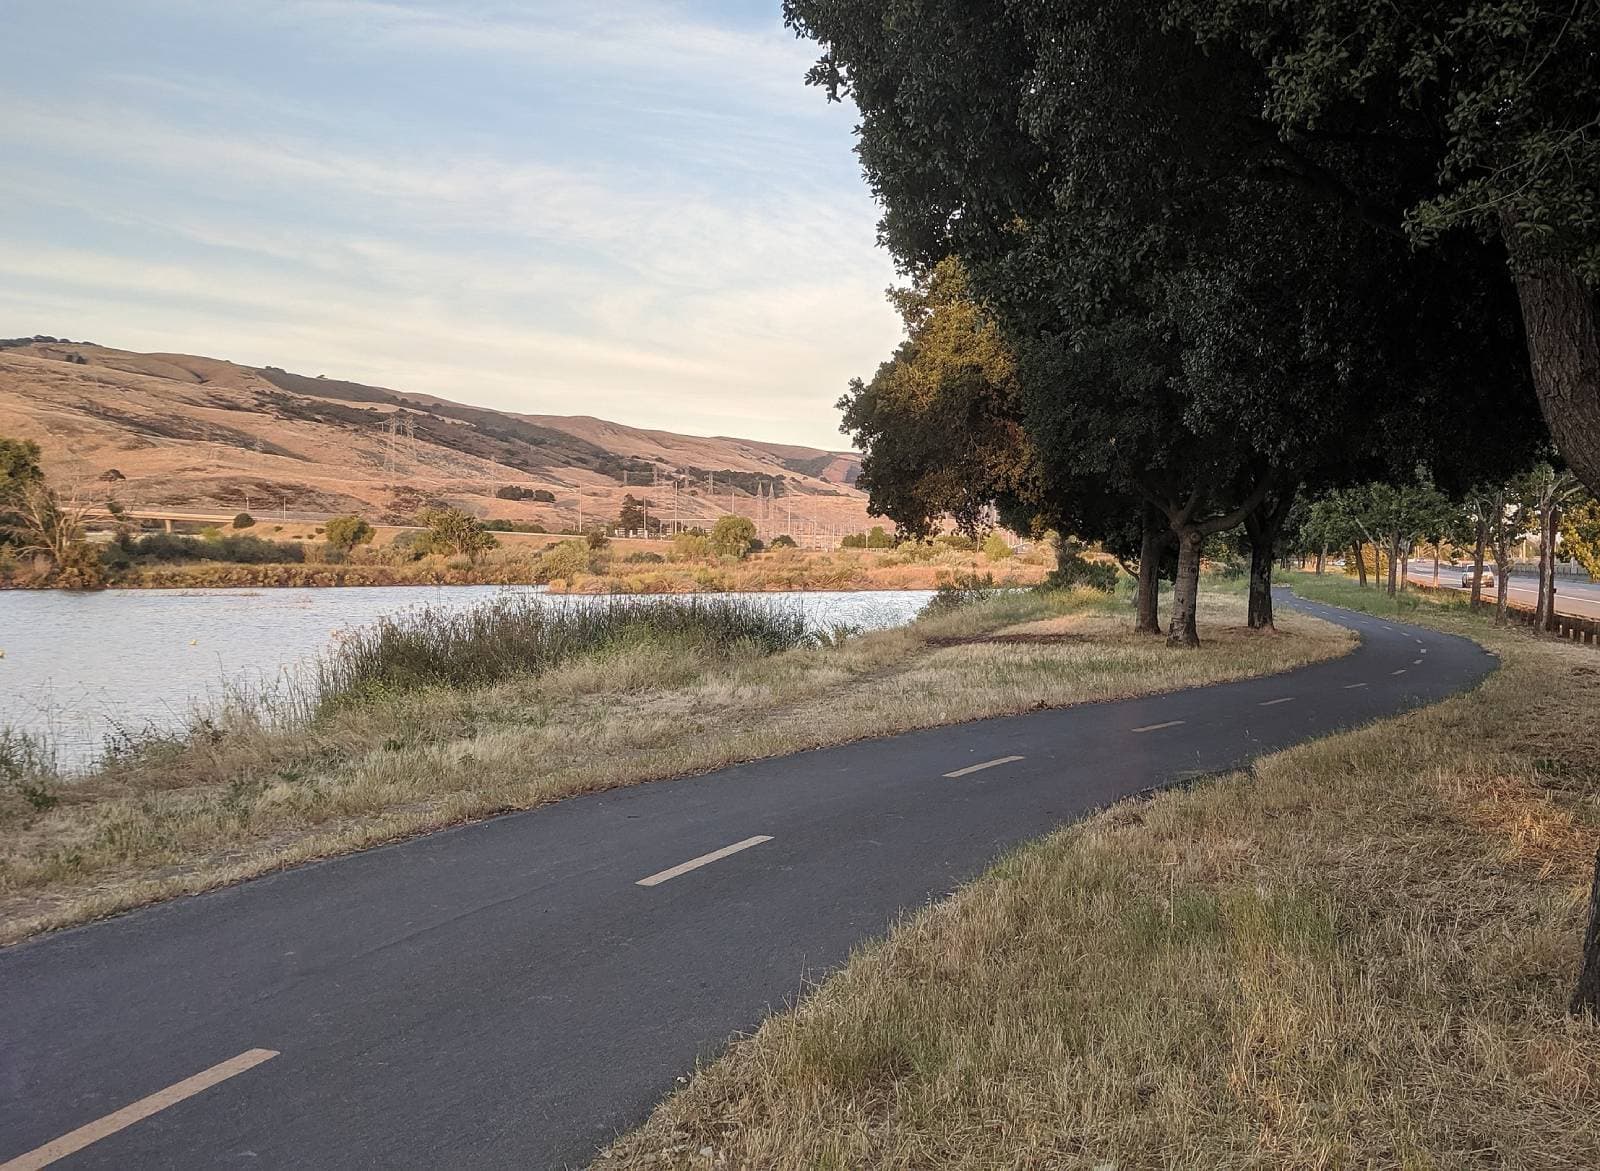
x,y
1485,579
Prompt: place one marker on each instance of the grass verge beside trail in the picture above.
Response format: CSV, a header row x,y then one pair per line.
x,y
237,797
1357,954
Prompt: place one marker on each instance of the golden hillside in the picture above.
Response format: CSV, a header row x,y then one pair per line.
x,y
177,434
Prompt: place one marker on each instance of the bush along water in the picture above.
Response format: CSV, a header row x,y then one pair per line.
x,y
964,590
523,636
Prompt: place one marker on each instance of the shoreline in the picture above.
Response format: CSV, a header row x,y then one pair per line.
x,y
163,587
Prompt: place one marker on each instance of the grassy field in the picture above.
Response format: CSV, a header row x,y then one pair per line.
x,y
390,750
1357,954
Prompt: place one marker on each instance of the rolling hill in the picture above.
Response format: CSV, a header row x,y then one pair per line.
x,y
180,433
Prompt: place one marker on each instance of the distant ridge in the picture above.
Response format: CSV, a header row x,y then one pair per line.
x,y
179,431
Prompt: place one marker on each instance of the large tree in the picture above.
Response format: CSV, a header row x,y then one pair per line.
x,y
1185,327
939,423
1474,114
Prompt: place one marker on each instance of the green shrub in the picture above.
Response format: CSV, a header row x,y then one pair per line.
x,y
1073,569
564,561
244,549
783,541
346,532
964,590
243,521
691,546
732,535
643,557
996,547
451,531
28,770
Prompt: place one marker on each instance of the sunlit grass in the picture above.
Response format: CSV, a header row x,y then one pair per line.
x,y
1356,954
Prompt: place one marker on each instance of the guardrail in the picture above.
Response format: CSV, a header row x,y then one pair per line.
x,y
1567,626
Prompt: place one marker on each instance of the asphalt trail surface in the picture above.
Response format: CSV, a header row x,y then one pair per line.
x,y
513,993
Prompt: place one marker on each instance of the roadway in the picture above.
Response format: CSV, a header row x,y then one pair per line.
x,y
1573,595
513,993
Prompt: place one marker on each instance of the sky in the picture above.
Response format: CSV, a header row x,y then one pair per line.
x,y
633,208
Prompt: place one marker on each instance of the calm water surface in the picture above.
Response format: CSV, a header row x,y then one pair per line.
x,y
77,667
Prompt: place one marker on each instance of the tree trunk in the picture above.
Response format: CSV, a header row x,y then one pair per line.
x,y
1586,999
1361,563
1183,630
1477,561
1503,592
1260,607
1551,528
1545,595
1394,562
1262,525
1558,316
1152,547
1322,560
1405,565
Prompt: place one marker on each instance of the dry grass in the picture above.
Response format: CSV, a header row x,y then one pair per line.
x,y
242,799
1359,954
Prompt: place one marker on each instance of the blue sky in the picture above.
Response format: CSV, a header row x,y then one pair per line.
x,y
632,209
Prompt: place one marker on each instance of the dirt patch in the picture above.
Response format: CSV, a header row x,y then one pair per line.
x,y
1021,639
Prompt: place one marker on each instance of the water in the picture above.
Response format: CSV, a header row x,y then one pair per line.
x,y
79,666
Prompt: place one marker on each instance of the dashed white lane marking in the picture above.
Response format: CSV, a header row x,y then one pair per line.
x,y
1353,686
1416,662
695,863
1401,671
1270,702
978,768
1423,651
1157,727
93,1132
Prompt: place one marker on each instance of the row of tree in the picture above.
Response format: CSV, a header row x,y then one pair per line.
x,y
1491,520
1174,266
1172,271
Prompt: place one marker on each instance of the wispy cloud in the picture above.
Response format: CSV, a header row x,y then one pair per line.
x,y
716,272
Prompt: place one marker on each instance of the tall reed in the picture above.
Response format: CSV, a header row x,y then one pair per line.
x,y
516,635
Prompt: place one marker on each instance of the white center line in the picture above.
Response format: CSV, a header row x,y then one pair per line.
x,y
1424,650
1416,662
1158,727
1352,686
977,768
1270,702
695,863
101,1128
1401,671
